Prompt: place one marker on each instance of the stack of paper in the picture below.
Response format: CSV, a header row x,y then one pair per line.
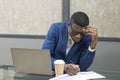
x,y
81,75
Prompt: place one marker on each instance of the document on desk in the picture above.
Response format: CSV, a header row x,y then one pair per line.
x,y
81,75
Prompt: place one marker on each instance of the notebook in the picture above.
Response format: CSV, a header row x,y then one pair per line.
x,y
33,61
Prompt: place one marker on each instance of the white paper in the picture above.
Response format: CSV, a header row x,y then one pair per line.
x,y
81,75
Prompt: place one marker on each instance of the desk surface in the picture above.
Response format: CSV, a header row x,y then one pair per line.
x,y
8,73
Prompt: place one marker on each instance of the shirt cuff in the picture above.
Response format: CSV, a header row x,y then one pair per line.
x,y
91,50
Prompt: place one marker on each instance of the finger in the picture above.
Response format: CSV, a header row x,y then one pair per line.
x,y
77,69
70,68
90,30
70,72
73,69
92,34
89,27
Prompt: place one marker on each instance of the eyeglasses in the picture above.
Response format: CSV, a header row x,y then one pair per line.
x,y
75,32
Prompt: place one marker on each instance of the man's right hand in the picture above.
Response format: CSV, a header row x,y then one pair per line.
x,y
72,69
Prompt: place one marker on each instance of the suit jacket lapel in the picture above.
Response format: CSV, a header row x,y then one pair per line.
x,y
71,52
65,39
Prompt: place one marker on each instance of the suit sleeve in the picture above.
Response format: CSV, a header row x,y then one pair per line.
x,y
50,43
87,57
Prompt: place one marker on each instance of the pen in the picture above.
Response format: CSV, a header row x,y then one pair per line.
x,y
71,62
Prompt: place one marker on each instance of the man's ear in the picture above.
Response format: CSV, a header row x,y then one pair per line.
x,y
69,27
69,23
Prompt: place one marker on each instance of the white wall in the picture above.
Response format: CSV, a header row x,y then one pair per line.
x,y
7,43
29,16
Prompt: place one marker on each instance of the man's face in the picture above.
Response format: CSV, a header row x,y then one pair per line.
x,y
76,32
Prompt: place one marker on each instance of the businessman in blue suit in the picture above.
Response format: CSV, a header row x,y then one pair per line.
x,y
73,41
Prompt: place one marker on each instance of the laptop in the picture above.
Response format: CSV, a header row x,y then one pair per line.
x,y
31,61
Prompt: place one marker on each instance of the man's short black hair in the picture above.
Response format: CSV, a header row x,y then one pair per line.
x,y
80,18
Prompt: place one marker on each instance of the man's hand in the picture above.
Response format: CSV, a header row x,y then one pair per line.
x,y
72,69
94,34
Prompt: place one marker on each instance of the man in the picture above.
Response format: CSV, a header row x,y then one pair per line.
x,y
84,39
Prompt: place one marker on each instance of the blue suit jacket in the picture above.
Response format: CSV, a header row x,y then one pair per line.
x,y
56,42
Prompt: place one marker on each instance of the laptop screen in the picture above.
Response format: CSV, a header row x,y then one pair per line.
x,y
33,61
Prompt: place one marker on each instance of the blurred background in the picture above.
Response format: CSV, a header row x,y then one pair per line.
x,y
24,24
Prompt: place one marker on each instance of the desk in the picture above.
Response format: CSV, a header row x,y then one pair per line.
x,y
7,73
